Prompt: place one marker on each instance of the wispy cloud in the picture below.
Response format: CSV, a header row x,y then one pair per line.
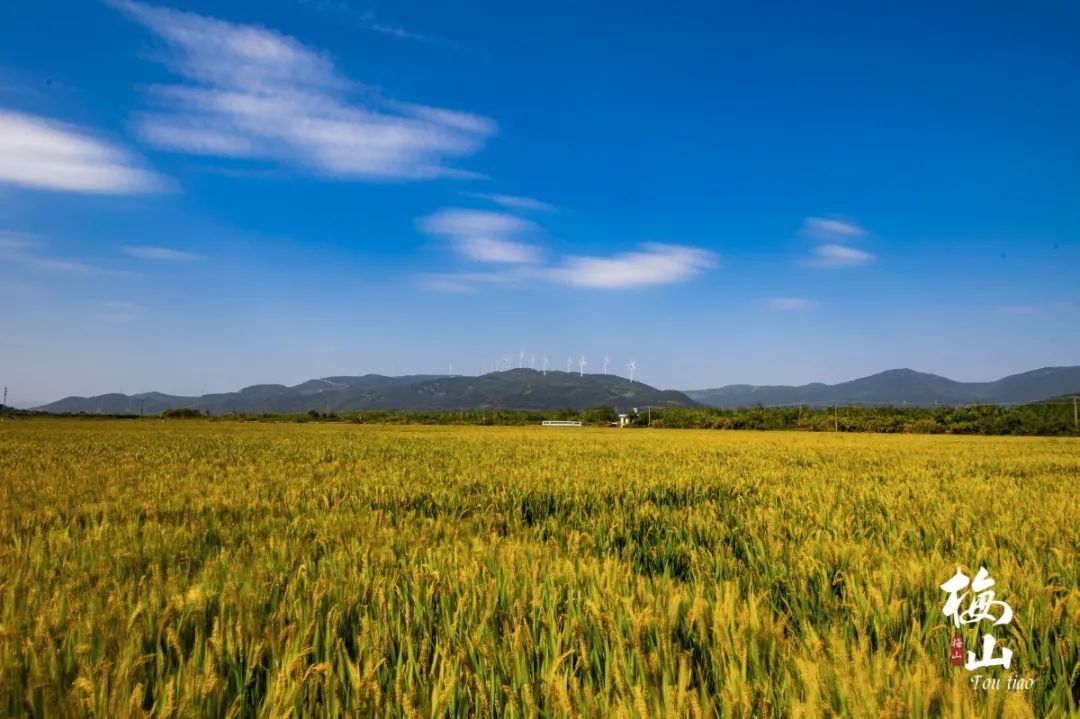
x,y
1023,310
833,237
831,229
499,237
243,173
469,282
1037,310
150,252
256,94
53,264
118,310
512,202
25,250
790,304
838,256
484,236
393,30
368,19
39,153
450,284
653,264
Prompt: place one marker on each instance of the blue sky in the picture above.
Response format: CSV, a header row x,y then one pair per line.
x,y
199,197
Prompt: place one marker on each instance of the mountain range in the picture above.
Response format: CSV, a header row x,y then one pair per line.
x,y
530,389
902,386
512,389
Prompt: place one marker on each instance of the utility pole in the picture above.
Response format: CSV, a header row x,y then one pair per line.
x,y
835,419
649,409
5,397
1076,416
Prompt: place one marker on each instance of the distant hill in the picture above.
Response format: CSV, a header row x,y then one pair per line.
x,y
513,389
902,386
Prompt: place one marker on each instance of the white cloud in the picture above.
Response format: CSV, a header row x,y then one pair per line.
x,y
118,310
1049,308
1023,310
449,283
837,256
484,236
43,154
465,282
15,241
497,237
833,237
398,32
790,304
23,250
368,19
655,264
512,202
256,94
829,229
150,252
52,264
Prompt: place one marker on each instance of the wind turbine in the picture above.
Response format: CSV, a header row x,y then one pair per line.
x,y
606,363
521,358
545,365
569,362
632,364
532,361
450,370
581,366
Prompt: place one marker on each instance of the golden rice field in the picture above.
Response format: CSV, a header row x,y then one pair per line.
x,y
194,568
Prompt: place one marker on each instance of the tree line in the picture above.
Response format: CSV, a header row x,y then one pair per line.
x,y
1045,419
1031,419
